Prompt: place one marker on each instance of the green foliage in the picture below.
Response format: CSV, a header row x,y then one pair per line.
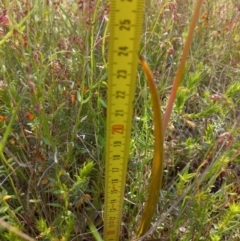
x,y
233,90
184,179
9,236
53,75
52,232
209,133
208,111
81,182
190,82
85,171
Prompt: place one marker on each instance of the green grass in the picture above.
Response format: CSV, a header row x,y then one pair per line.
x,y
53,85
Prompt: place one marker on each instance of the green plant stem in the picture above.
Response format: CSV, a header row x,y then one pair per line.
x,y
9,127
158,158
15,28
92,56
10,168
94,231
15,230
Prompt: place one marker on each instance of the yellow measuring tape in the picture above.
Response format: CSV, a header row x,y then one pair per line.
x,y
125,26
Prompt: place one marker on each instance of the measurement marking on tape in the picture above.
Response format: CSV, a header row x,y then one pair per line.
x,y
125,27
